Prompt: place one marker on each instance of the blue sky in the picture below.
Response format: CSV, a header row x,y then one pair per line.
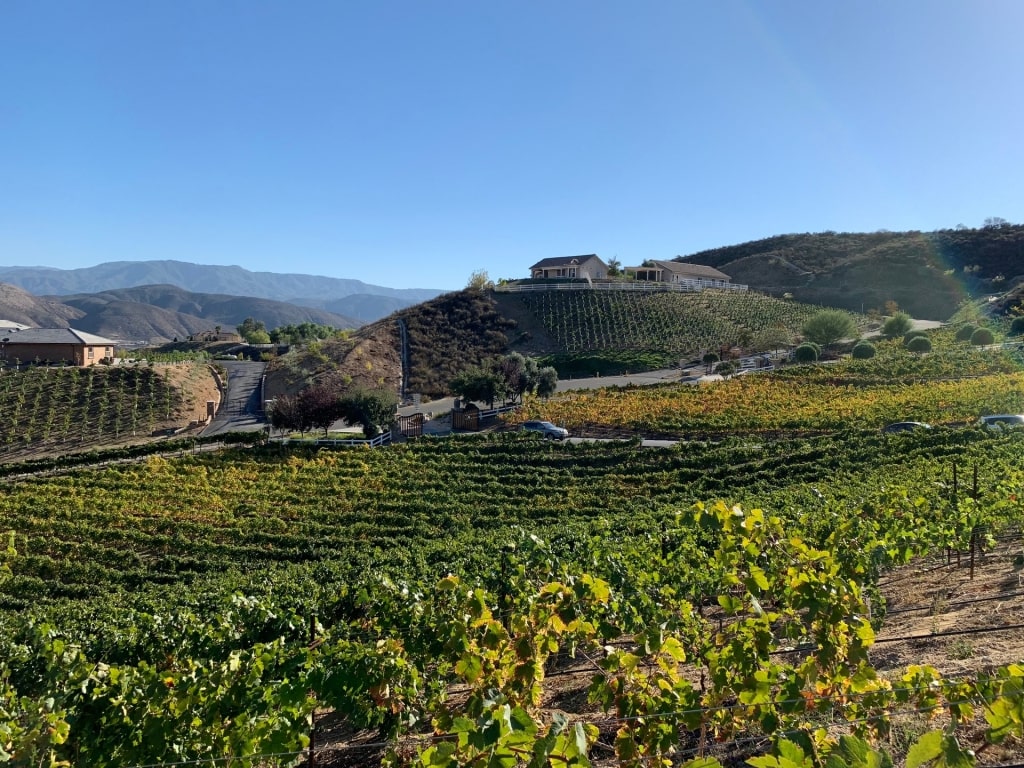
x,y
408,144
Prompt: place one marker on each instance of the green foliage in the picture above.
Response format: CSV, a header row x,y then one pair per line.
x,y
671,325
481,385
371,408
964,332
982,337
897,325
303,333
479,281
919,344
863,350
253,331
69,409
726,368
506,378
1017,326
806,353
828,326
709,359
611,363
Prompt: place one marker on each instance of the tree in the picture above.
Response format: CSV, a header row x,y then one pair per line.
x,y
251,327
286,414
614,267
479,281
897,325
1017,326
321,406
371,408
547,382
829,326
482,385
863,350
709,359
518,373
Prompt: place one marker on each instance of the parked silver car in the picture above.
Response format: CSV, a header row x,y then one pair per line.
x,y
545,428
1002,420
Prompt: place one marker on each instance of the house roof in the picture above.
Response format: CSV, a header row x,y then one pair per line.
x,y
10,325
57,336
689,269
564,261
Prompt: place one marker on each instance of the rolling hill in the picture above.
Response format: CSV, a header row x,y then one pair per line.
x,y
927,274
205,278
579,332
154,314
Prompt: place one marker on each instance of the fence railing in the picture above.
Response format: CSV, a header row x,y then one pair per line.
x,y
384,438
471,420
683,286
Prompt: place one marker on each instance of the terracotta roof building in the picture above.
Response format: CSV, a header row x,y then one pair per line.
x,y
55,345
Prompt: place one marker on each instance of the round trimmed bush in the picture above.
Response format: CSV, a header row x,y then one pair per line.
x,y
1017,326
982,337
863,350
920,344
806,353
913,335
965,332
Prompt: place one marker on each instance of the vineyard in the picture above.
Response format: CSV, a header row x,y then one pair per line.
x,y
751,404
494,600
65,409
678,324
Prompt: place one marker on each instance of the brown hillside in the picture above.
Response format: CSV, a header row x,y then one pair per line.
x,y
927,273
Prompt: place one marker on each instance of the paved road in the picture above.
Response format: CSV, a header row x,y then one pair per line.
x,y
241,410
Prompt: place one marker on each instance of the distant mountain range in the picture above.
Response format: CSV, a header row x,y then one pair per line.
x,y
351,298
157,301
154,314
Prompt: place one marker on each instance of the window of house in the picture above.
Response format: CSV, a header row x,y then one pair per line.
x,y
91,352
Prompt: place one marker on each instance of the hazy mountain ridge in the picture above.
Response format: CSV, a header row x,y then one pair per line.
x,y
155,313
210,279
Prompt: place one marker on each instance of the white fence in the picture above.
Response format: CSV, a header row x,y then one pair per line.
x,y
683,286
384,438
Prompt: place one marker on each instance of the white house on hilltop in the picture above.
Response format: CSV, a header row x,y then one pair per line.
x,y
680,272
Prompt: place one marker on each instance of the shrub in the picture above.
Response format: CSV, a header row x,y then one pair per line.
x,y
829,326
965,332
725,369
897,325
913,335
982,337
806,353
919,344
863,350
1017,326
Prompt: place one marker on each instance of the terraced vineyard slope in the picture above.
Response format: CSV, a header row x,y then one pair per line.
x,y
44,410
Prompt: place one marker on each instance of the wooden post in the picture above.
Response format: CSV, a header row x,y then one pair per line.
x,y
311,755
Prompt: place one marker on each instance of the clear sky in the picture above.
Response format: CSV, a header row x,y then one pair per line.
x,y
410,143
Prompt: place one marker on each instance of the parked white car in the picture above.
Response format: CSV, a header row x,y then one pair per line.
x,y
1002,420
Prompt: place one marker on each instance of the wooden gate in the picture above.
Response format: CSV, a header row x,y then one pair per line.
x,y
411,425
